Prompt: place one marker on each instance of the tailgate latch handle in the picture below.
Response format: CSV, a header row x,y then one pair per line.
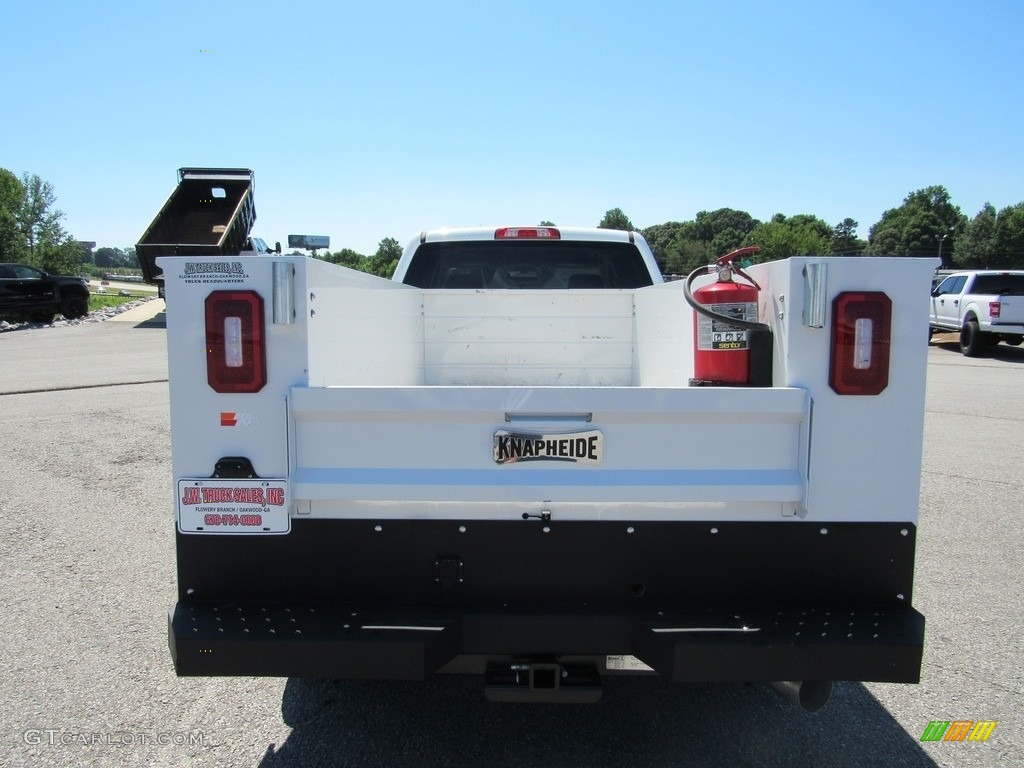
x,y
545,515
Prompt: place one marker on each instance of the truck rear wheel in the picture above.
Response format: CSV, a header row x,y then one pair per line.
x,y
973,343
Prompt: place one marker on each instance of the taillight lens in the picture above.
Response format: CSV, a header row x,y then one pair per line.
x,y
527,233
861,331
236,359
994,308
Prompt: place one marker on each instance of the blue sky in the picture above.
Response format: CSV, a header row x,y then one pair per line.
x,y
370,120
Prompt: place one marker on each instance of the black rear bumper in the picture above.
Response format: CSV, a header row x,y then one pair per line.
x,y
754,644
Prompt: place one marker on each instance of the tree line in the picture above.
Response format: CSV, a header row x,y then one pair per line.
x,y
30,226
927,223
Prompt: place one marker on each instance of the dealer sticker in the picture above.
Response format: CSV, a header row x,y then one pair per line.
x,y
233,506
575,447
626,664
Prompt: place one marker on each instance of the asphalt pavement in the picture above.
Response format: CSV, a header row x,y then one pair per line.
x,y
88,573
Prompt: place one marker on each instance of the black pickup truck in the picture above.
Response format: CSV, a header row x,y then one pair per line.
x,y
30,292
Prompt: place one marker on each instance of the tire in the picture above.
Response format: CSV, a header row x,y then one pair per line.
x,y
1014,341
74,305
42,317
973,343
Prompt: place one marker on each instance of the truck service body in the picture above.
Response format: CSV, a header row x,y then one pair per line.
x,y
389,479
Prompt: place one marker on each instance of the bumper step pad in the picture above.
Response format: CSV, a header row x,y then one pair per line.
x,y
864,643
804,643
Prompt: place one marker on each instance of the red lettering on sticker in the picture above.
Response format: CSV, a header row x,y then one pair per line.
x,y
249,496
191,496
217,495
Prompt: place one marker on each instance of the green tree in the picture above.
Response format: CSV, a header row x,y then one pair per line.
x,y
346,257
616,219
725,227
924,225
844,239
976,247
12,196
110,257
36,236
384,261
1010,236
686,255
39,220
782,237
63,257
662,240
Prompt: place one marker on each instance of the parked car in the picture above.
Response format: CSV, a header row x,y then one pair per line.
x,y
30,292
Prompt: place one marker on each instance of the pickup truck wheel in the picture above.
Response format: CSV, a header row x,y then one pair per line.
x,y
973,343
41,317
1013,341
74,306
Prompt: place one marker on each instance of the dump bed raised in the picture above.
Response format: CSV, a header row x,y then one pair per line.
x,y
210,212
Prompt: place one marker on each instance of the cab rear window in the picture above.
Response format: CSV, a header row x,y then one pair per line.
x,y
1003,285
528,265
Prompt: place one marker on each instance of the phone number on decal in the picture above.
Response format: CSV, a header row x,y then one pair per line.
x,y
233,520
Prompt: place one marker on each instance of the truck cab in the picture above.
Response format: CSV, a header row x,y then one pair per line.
x,y
255,246
528,258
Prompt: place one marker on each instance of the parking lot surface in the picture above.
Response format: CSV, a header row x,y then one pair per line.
x,y
88,574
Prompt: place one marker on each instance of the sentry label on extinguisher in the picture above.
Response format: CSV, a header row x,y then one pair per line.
x,y
717,334
233,506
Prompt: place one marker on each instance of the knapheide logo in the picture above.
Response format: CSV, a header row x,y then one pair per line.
x,y
958,730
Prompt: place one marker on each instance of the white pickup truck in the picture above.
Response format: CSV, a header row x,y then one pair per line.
x,y
494,464
984,307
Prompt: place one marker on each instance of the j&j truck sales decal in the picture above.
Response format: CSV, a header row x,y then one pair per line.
x,y
233,506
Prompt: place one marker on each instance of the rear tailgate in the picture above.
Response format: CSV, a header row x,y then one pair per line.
x,y
1011,310
577,453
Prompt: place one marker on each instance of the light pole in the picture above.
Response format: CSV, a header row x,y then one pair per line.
x,y
941,241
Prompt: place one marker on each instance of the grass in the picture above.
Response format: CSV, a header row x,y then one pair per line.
x,y
101,300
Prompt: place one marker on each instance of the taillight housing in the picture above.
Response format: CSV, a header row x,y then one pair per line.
x,y
527,233
861,332
236,359
994,307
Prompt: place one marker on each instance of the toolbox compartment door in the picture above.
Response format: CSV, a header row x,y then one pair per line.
x,y
434,451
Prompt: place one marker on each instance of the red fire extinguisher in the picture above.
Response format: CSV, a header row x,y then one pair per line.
x,y
726,331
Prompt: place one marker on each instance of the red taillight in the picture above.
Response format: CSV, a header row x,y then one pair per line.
x,y
993,309
236,359
527,233
861,329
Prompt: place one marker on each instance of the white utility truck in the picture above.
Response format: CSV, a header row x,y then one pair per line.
x,y
496,464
